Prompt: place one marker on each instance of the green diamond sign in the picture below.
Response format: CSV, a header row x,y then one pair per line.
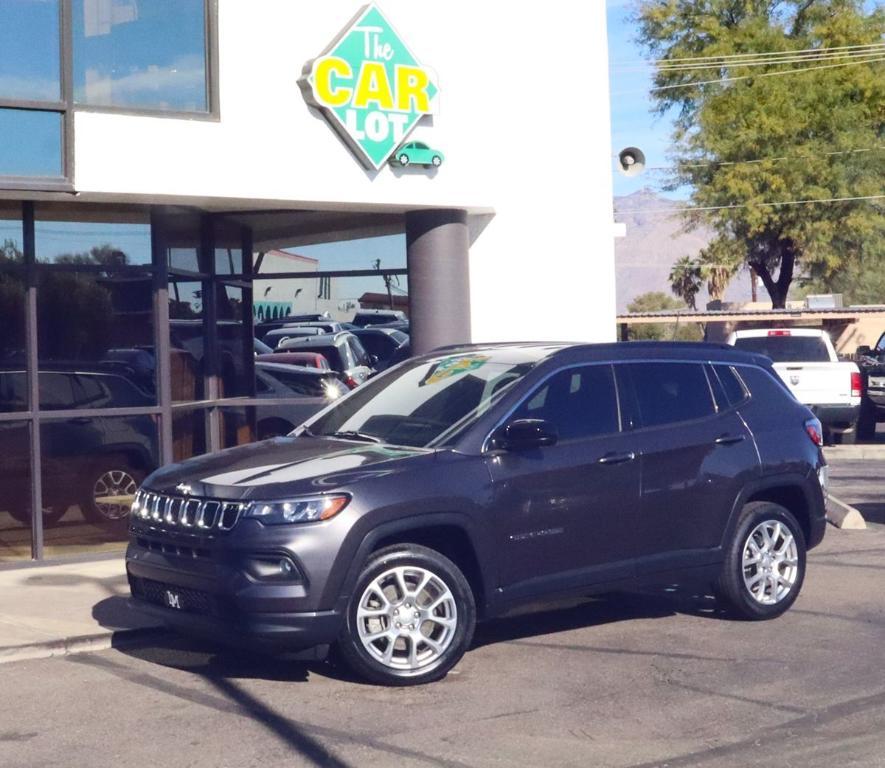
x,y
370,87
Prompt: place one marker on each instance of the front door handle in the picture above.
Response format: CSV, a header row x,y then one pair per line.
x,y
729,439
617,458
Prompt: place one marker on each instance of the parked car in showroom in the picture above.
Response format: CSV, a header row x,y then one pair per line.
x,y
94,462
381,342
303,359
872,405
807,363
475,480
366,317
313,387
343,351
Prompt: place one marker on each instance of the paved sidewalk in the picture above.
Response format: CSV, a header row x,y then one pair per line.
x,y
57,609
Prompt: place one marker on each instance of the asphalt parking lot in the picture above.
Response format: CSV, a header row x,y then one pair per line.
x,y
658,678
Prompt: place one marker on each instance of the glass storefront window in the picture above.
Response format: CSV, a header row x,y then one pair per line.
x,y
110,237
29,50
15,500
187,340
13,384
140,54
91,470
388,252
95,340
188,433
31,143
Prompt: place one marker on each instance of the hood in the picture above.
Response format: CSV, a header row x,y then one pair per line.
x,y
282,467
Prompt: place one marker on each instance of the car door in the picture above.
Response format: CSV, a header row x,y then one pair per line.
x,y
695,455
563,514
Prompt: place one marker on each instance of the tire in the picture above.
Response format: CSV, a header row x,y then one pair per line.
x,y
849,437
112,475
436,161
866,422
51,515
403,160
736,581
402,655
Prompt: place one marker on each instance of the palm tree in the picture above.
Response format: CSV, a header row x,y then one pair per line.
x,y
685,280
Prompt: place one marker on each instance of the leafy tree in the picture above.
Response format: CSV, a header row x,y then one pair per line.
x,y
658,301
748,133
685,280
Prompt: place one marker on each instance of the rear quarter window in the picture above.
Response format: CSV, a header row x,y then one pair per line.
x,y
668,393
732,387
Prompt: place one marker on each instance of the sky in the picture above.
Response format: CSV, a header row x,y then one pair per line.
x,y
633,124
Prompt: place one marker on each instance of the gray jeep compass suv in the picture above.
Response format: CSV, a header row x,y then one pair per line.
x,y
463,483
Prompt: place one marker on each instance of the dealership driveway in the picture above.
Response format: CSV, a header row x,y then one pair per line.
x,y
657,678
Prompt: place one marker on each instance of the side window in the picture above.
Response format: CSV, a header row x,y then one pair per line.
x,y
671,392
579,402
358,352
735,392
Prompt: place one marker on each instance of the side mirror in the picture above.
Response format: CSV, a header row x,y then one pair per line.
x,y
372,360
523,434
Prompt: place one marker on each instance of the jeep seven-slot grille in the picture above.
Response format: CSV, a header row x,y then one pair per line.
x,y
186,514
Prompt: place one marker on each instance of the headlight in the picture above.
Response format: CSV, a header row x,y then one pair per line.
x,y
306,510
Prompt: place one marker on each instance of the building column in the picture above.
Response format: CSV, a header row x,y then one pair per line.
x,y
437,252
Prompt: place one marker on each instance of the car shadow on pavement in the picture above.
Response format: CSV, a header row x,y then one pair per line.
x,y
872,512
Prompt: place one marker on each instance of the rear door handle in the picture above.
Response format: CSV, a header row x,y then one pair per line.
x,y
729,439
617,458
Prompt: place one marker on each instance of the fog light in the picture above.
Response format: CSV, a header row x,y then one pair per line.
x,y
272,567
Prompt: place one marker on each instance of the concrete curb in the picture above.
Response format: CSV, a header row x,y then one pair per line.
x,y
844,516
855,451
102,641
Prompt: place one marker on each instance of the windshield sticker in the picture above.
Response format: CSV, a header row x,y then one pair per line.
x,y
453,366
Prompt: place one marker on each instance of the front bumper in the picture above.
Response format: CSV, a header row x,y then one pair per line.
x,y
836,416
207,584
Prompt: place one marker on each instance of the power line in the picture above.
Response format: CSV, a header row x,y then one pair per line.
x,y
760,62
800,70
749,205
759,160
732,56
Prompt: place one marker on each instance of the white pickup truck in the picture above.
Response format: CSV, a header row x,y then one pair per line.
x,y
806,361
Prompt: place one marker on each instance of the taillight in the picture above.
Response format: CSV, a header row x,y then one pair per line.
x,y
351,382
815,432
856,384
778,333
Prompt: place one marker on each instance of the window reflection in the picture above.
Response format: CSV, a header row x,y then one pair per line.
x,y
13,388
140,53
95,340
188,433
31,144
91,470
15,500
29,50
107,237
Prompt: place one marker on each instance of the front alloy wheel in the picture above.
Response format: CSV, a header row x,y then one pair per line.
x,y
410,619
110,494
406,618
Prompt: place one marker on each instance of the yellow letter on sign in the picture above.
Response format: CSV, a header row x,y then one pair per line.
x,y
373,85
326,93
412,84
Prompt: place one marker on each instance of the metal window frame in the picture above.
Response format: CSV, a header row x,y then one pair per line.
x,y
66,106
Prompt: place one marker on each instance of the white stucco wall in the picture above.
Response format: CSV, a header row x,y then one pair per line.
x,y
523,121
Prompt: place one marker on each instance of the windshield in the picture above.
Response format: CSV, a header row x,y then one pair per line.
x,y
786,349
423,403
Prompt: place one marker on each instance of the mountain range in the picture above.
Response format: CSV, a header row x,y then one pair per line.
x,y
654,241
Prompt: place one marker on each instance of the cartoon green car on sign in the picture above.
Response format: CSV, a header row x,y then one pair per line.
x,y
417,153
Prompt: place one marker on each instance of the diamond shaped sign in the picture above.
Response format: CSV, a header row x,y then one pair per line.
x,y
370,87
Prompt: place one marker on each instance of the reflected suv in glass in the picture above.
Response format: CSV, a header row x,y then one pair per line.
x,y
474,480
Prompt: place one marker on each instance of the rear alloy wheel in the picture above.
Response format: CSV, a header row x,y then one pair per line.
x,y
411,617
111,493
765,565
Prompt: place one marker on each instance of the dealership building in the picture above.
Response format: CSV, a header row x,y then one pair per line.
x,y
171,170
